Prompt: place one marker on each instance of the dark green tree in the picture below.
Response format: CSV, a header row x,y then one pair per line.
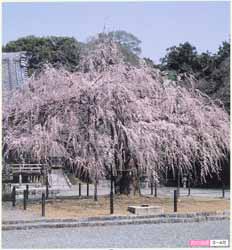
x,y
223,52
149,62
182,58
57,51
206,64
211,70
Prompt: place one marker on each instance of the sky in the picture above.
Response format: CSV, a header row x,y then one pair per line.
x,y
158,25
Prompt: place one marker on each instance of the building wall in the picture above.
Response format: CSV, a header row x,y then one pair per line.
x,y
14,70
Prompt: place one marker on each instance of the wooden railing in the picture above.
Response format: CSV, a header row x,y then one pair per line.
x,y
27,168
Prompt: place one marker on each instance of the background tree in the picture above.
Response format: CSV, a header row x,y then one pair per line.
x,y
182,58
127,40
57,51
128,44
206,64
223,52
211,70
149,62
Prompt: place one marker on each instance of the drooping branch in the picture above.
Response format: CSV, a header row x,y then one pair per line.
x,y
111,113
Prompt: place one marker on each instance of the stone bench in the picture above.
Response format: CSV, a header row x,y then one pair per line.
x,y
145,209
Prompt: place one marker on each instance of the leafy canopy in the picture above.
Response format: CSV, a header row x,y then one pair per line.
x,y
66,51
184,58
57,51
180,58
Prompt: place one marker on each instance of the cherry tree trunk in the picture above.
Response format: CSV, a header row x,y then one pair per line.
x,y
127,184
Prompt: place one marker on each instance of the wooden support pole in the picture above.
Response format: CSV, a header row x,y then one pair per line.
x,y
111,193
95,191
178,183
189,188
47,188
189,184
13,194
155,189
175,200
27,189
87,191
152,181
223,190
79,189
24,199
43,204
115,190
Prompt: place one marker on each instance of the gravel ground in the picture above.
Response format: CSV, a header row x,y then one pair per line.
x,y
14,213
157,235
105,190
162,191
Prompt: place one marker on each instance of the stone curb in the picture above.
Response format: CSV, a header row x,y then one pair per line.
x,y
119,217
133,221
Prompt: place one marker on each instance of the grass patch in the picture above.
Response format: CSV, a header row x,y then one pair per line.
x,y
88,207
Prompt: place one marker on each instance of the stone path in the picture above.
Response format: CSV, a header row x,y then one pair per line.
x,y
57,180
126,236
161,191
